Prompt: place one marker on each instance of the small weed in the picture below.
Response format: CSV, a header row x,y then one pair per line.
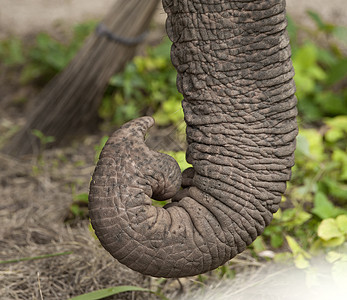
x,y
225,271
11,52
79,206
44,141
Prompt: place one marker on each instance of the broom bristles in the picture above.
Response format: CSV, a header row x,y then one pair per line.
x,y
71,100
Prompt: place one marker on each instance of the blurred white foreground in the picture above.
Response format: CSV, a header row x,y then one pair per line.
x,y
322,281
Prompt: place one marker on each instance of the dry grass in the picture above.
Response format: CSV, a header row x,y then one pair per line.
x,y
35,200
32,213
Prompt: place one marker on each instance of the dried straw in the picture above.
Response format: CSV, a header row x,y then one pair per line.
x,y
33,208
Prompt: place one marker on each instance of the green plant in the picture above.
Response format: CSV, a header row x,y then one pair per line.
x,y
46,56
147,85
79,206
318,187
225,271
49,56
11,52
312,218
44,141
332,232
320,71
180,157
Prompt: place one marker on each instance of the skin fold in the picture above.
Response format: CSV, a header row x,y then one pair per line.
x,y
235,73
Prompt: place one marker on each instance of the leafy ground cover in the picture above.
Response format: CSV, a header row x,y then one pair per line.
x,y
312,219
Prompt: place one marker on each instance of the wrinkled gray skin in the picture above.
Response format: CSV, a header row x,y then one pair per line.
x,y
235,73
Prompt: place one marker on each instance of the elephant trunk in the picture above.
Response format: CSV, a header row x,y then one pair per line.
x,y
235,73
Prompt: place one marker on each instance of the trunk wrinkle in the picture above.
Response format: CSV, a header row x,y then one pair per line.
x,y
235,73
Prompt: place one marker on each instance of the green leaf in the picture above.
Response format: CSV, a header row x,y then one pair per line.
x,y
11,52
295,248
302,146
292,29
334,134
337,72
307,70
259,244
283,257
326,58
323,208
276,240
316,18
342,223
305,57
300,255
331,103
301,262
294,217
337,128
301,217
83,197
337,190
329,229
42,137
316,247
76,210
170,112
310,110
288,215
278,214
38,133
110,292
98,148
334,242
315,141
180,157
340,157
